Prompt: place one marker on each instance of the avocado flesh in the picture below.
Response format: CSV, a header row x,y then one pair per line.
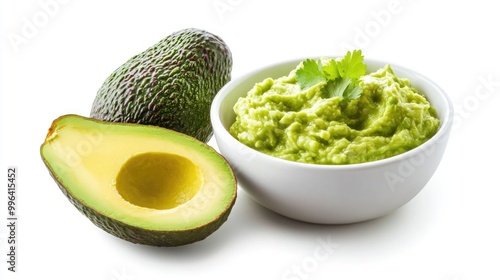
x,y
171,84
144,184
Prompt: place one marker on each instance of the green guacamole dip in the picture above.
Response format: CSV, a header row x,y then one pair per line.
x,y
388,118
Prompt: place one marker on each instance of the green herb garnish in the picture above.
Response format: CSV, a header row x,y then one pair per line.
x,y
341,76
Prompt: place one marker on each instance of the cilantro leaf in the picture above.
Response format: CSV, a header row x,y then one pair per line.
x,y
351,65
310,74
352,92
341,75
336,88
343,88
331,70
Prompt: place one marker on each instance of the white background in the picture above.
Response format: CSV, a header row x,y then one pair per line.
x,y
56,54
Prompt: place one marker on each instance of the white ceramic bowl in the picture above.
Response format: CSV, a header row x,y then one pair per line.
x,y
330,194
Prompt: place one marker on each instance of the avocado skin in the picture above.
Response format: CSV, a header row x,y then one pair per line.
x,y
141,235
171,84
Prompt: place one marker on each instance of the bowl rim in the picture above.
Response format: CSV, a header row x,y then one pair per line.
x,y
446,119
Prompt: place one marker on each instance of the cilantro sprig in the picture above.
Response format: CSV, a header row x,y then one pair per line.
x,y
341,75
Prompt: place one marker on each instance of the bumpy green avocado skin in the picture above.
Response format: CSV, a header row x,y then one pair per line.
x,y
144,236
171,84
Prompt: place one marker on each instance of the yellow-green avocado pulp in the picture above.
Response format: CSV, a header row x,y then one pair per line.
x,y
144,184
389,117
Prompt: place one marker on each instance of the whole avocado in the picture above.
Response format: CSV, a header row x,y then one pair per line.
x,y
171,84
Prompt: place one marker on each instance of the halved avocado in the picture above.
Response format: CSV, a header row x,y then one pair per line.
x,y
144,184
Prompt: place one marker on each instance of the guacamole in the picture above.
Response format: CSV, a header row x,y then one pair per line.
x,y
389,117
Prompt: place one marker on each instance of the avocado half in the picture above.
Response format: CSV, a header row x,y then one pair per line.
x,y
145,184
